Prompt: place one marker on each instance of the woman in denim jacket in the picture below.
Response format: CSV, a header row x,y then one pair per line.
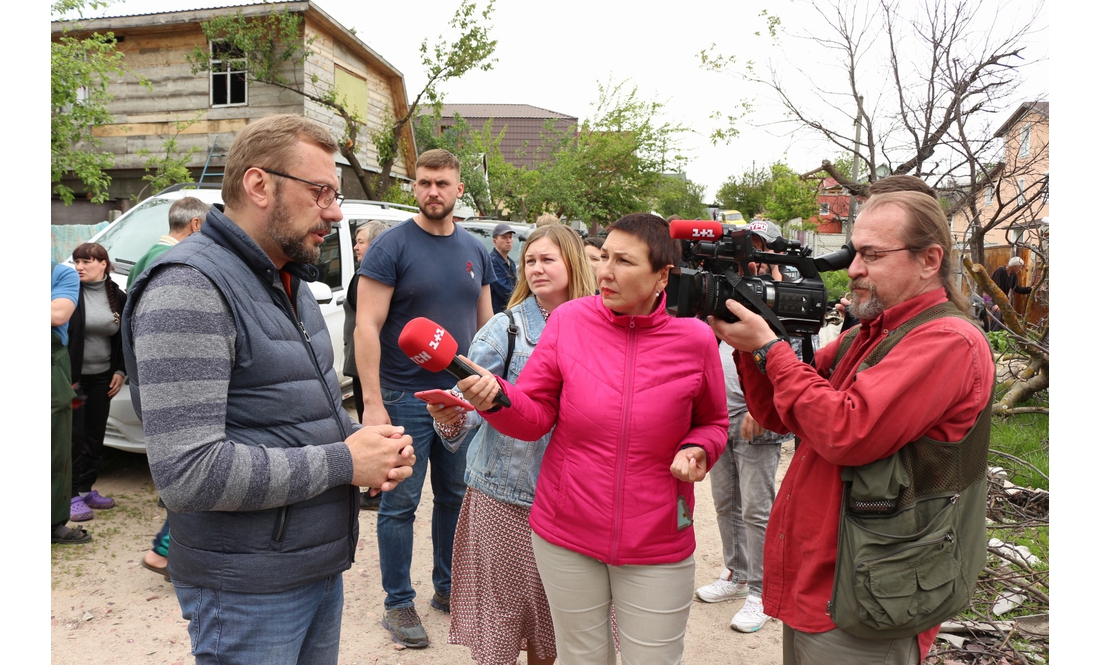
x,y
497,599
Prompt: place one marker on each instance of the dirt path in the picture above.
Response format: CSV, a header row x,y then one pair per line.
x,y
106,608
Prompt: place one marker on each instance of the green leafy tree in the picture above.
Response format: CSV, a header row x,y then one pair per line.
x,y
614,163
790,196
680,196
274,43
747,193
170,168
81,68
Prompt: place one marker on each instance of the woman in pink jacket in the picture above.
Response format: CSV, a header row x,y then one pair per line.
x,y
636,399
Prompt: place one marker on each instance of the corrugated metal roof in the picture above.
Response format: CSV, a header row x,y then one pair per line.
x,y
501,111
197,7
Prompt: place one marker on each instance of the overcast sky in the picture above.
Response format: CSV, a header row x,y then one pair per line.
x,y
552,54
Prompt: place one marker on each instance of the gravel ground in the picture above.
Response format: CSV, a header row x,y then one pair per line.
x,y
106,608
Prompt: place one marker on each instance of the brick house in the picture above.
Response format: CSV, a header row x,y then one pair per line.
x,y
524,125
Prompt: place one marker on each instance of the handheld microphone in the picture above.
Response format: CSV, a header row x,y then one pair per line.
x,y
428,345
695,229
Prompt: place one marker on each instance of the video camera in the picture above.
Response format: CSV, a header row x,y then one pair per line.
x,y
715,268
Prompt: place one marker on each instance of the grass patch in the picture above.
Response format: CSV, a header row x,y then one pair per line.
x,y
1025,436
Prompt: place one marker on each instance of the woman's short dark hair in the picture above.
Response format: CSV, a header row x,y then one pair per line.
x,y
651,229
594,241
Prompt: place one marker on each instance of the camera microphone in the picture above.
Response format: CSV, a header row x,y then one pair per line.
x,y
428,345
695,229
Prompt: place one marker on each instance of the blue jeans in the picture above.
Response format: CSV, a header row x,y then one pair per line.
x,y
397,512
298,626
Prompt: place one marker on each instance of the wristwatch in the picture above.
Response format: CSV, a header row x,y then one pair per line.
x,y
760,355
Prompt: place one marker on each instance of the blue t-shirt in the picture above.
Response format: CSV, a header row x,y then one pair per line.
x,y
437,277
66,284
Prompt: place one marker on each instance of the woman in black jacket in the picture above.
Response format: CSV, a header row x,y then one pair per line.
x,y
95,348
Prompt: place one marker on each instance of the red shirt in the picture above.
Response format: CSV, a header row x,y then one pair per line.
x,y
935,382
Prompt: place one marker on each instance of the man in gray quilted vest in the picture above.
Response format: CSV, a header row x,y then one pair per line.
x,y
231,367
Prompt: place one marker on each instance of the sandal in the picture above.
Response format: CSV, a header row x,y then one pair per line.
x,y
156,569
69,536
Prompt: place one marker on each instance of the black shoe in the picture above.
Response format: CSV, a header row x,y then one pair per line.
x,y
368,502
441,602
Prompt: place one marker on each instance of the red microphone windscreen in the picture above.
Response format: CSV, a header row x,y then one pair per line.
x,y
695,229
427,344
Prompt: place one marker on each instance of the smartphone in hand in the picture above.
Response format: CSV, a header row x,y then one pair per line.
x,y
444,397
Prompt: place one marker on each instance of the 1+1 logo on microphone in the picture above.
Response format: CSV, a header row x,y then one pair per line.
x,y
436,339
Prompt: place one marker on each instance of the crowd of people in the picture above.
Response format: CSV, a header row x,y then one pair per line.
x,y
562,525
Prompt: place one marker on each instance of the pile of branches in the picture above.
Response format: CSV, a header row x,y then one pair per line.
x,y
1015,583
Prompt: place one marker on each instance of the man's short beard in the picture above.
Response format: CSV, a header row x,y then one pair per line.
x,y
872,308
444,214
281,230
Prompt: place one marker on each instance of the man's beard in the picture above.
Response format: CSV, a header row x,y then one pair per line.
x,y
281,230
872,308
444,214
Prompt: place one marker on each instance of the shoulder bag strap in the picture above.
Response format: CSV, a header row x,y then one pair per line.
x,y
513,330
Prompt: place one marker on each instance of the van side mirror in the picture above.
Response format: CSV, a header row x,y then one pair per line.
x,y
321,292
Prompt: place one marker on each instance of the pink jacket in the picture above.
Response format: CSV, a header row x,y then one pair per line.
x,y
623,394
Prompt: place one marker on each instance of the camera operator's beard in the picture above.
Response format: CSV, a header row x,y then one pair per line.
x,y
868,309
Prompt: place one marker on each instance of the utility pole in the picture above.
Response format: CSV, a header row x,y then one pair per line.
x,y
855,172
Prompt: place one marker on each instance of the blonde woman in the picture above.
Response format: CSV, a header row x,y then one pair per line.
x,y
498,605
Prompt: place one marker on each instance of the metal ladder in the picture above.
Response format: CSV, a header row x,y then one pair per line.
x,y
206,167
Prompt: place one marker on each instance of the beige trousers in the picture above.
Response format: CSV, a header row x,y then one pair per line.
x,y
651,607
836,646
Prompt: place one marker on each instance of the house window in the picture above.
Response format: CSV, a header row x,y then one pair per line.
x,y
824,209
228,69
1021,187
988,194
1025,140
352,89
1046,188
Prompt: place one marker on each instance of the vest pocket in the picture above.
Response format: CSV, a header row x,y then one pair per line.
x,y
891,581
280,525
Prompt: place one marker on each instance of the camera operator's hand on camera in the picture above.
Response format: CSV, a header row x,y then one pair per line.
x,y
748,334
479,390
690,464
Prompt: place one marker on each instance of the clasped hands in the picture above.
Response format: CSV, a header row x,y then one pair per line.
x,y
382,456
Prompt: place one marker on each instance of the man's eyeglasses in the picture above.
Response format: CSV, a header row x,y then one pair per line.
x,y
325,195
872,255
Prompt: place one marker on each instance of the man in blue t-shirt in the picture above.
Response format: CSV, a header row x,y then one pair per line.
x,y
426,266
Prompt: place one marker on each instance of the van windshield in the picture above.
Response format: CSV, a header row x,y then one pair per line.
x,y
129,239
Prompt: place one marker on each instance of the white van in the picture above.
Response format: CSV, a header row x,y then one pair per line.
x,y
131,235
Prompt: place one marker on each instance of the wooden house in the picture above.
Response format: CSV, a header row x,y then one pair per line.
x,y
156,47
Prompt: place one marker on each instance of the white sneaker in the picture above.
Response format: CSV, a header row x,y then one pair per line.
x,y
751,617
722,589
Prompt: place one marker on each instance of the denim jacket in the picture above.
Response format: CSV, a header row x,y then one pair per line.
x,y
501,466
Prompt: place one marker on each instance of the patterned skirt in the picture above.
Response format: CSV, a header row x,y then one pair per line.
x,y
498,605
